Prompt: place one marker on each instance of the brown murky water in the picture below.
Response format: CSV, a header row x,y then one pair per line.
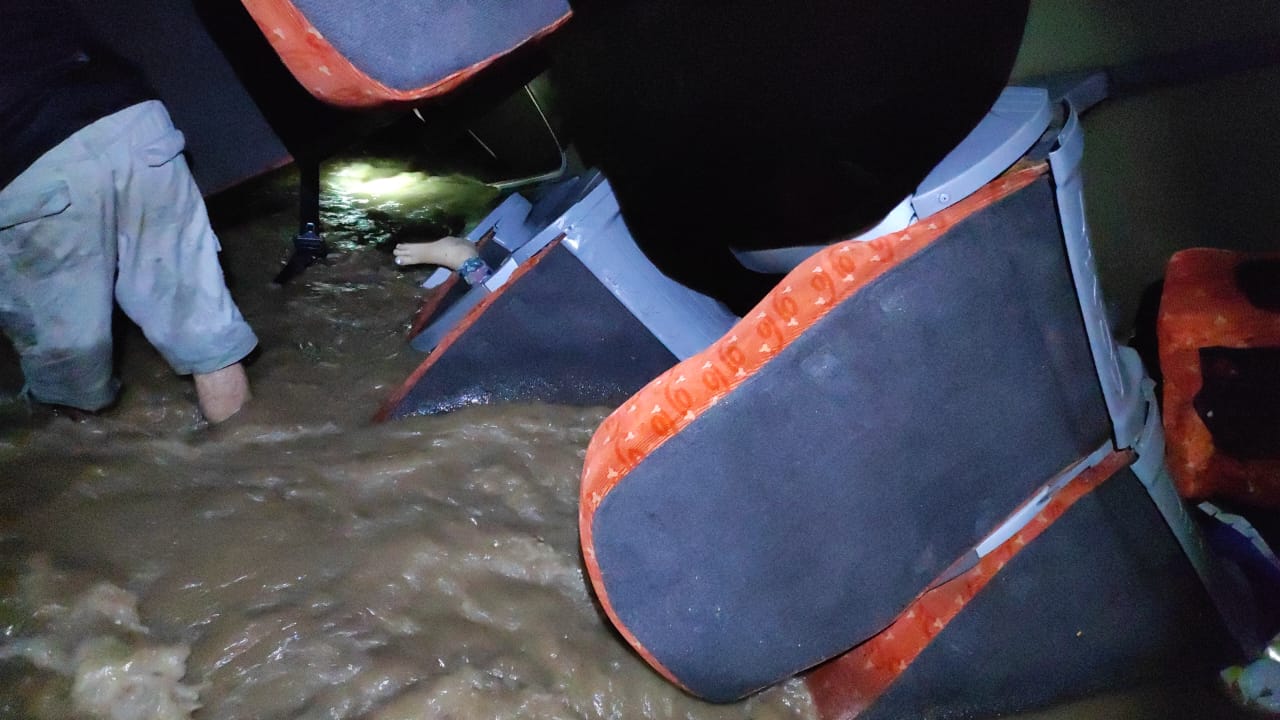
x,y
300,562
312,564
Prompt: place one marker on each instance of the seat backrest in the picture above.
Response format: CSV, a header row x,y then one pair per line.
x,y
781,496
1013,125
386,52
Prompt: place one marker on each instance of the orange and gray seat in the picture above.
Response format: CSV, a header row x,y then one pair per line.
x,y
397,52
600,320
892,414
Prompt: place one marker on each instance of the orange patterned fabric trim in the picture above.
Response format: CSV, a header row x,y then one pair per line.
x,y
846,686
1203,307
676,398
329,75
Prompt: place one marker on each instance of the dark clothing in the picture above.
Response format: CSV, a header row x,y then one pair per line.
x,y
764,123
53,81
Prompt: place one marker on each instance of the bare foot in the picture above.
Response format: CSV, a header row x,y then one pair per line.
x,y
222,393
448,252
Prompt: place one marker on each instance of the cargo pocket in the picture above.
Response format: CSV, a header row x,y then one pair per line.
x,y
164,149
153,206
24,207
34,241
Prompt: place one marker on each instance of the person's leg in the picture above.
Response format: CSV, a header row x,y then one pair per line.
x,y
170,282
57,263
222,393
448,252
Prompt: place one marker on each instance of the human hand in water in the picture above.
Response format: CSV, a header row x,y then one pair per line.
x,y
448,252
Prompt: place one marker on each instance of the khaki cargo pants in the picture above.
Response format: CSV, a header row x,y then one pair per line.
x,y
112,214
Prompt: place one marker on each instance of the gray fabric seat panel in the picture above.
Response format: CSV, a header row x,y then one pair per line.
x,y
801,513
408,44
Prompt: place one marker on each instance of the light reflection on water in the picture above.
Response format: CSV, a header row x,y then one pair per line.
x,y
368,201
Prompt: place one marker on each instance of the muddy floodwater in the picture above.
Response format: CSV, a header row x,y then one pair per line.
x,y
300,561
303,562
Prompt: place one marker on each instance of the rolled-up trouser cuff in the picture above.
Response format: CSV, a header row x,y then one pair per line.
x,y
229,347
80,379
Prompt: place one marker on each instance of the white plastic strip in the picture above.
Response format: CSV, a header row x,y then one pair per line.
x,y
1028,512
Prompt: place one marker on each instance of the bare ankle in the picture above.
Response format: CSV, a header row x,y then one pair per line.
x,y
222,393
